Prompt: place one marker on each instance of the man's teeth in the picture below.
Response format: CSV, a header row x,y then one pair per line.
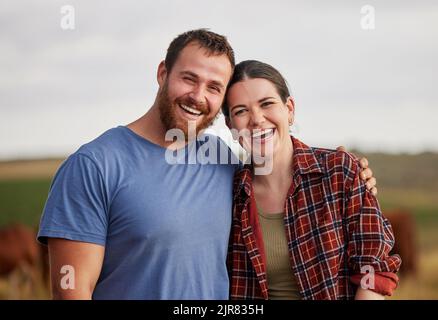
x,y
191,110
260,133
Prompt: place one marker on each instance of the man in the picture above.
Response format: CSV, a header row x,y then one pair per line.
x,y
130,225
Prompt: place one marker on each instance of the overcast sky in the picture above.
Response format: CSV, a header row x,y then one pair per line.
x,y
372,89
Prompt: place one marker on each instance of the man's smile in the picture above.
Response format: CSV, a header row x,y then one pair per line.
x,y
190,110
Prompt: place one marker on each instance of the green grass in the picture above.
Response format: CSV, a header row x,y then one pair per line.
x,y
23,200
423,204
415,172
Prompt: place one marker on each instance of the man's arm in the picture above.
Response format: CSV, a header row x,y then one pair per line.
x,y
85,259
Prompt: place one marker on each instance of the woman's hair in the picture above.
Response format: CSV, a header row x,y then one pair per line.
x,y
253,69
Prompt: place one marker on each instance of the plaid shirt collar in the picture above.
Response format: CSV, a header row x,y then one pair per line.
x,y
304,162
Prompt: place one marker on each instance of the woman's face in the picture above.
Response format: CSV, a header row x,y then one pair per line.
x,y
259,115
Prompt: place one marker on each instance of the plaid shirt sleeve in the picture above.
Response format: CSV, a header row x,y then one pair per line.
x,y
370,236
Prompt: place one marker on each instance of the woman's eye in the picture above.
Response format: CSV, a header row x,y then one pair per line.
x,y
267,103
239,112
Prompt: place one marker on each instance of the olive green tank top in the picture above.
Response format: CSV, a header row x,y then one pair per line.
x,y
281,280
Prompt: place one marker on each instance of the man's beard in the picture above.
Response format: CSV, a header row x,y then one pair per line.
x,y
170,119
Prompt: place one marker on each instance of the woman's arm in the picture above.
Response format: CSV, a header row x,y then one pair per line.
x,y
370,237
364,294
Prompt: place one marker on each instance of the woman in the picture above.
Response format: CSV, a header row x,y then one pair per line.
x,y
304,225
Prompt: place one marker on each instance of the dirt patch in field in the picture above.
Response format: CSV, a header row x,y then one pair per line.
x,y
29,169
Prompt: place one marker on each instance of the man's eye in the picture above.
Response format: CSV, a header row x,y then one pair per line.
x,y
267,103
216,89
191,80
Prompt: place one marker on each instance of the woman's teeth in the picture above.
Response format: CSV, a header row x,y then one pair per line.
x,y
191,110
262,134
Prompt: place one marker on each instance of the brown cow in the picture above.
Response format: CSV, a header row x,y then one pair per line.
x,y
403,226
22,259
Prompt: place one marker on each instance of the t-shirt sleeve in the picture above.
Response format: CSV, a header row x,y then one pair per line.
x,y
77,205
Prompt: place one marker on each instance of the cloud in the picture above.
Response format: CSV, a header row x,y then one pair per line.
x,y
103,73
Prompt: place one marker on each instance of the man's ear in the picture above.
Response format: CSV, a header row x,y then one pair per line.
x,y
161,74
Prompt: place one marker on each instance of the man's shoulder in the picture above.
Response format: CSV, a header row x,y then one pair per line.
x,y
106,145
106,139
100,153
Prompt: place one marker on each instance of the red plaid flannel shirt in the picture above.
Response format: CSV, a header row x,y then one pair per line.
x,y
333,225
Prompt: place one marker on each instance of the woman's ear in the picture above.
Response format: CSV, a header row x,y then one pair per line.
x,y
228,122
161,73
290,104
234,132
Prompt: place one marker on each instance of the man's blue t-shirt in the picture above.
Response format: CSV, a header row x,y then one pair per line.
x,y
165,227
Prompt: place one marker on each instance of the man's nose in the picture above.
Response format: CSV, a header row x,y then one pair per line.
x,y
197,95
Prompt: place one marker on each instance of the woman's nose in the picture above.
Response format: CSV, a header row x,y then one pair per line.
x,y
257,118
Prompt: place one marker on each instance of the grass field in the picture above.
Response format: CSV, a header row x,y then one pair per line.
x,y
22,200
404,181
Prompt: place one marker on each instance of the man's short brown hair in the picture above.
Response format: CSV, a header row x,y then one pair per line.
x,y
214,43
